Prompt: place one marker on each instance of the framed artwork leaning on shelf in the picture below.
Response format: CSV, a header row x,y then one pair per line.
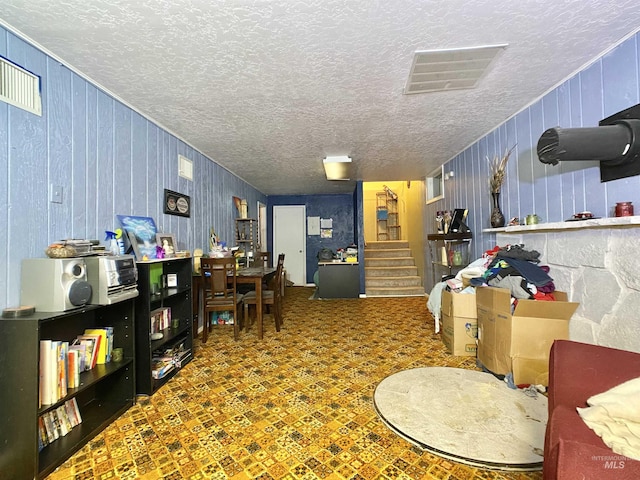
x,y
141,232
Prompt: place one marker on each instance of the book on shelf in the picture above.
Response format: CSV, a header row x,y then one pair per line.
x,y
49,428
160,367
181,357
63,420
55,424
60,363
163,361
103,344
81,349
60,366
71,413
74,405
47,374
93,347
53,371
62,369
109,342
160,319
58,422
43,439
73,368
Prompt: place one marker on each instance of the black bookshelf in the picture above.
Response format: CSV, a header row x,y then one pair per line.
x,y
104,393
178,298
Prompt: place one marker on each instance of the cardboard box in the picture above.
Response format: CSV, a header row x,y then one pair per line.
x,y
520,343
459,324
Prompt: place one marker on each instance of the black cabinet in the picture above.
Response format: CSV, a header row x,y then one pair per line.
x,y
103,394
338,280
163,284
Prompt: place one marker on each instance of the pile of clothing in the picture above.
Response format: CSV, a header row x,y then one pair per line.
x,y
511,267
518,270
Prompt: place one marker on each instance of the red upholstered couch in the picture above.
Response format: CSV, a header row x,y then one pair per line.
x,y
572,450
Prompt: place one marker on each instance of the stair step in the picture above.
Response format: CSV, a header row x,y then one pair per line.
x,y
404,281
387,244
388,262
395,292
387,253
391,271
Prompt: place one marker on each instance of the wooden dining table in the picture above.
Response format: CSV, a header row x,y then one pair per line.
x,y
244,275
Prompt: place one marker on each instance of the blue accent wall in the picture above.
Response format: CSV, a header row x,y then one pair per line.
x,y
339,207
109,160
610,84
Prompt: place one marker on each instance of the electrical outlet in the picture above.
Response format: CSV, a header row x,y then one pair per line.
x,y
55,194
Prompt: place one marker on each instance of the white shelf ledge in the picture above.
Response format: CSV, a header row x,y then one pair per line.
x,y
609,222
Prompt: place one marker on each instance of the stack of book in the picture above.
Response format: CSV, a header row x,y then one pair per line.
x,y
163,361
160,319
61,362
160,366
58,422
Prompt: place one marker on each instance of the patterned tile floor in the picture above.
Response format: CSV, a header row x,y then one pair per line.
x,y
296,405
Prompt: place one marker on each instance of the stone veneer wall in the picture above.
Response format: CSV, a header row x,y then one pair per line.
x,y
599,267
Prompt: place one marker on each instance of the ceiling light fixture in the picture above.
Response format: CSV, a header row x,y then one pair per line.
x,y
337,167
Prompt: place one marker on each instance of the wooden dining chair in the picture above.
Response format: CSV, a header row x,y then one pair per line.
x,y
264,259
272,297
220,292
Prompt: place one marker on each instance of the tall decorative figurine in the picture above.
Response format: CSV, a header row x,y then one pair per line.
x,y
213,239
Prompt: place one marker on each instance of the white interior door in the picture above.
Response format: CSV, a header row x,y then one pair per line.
x,y
289,234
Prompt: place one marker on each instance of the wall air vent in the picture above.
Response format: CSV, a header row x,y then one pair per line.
x,y
185,167
452,69
19,87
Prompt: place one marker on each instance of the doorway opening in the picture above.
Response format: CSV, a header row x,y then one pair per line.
x,y
393,213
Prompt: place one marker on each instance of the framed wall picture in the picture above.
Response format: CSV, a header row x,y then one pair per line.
x,y
141,232
176,203
168,243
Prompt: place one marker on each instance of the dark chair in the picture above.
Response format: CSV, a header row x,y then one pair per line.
x,y
264,259
271,298
220,292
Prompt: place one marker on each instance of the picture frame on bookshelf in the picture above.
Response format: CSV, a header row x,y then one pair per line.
x,y
168,243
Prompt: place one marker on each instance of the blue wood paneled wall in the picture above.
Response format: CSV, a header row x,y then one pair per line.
x,y
339,207
108,158
608,85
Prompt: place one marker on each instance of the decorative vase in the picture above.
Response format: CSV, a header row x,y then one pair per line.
x,y
497,218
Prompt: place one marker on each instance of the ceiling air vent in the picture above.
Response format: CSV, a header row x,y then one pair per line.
x,y
451,69
19,87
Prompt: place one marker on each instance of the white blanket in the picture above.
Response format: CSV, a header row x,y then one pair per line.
x,y
434,303
614,416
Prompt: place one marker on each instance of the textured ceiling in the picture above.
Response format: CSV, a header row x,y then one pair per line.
x,y
267,88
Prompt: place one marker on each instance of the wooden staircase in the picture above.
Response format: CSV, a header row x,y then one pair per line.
x,y
390,270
